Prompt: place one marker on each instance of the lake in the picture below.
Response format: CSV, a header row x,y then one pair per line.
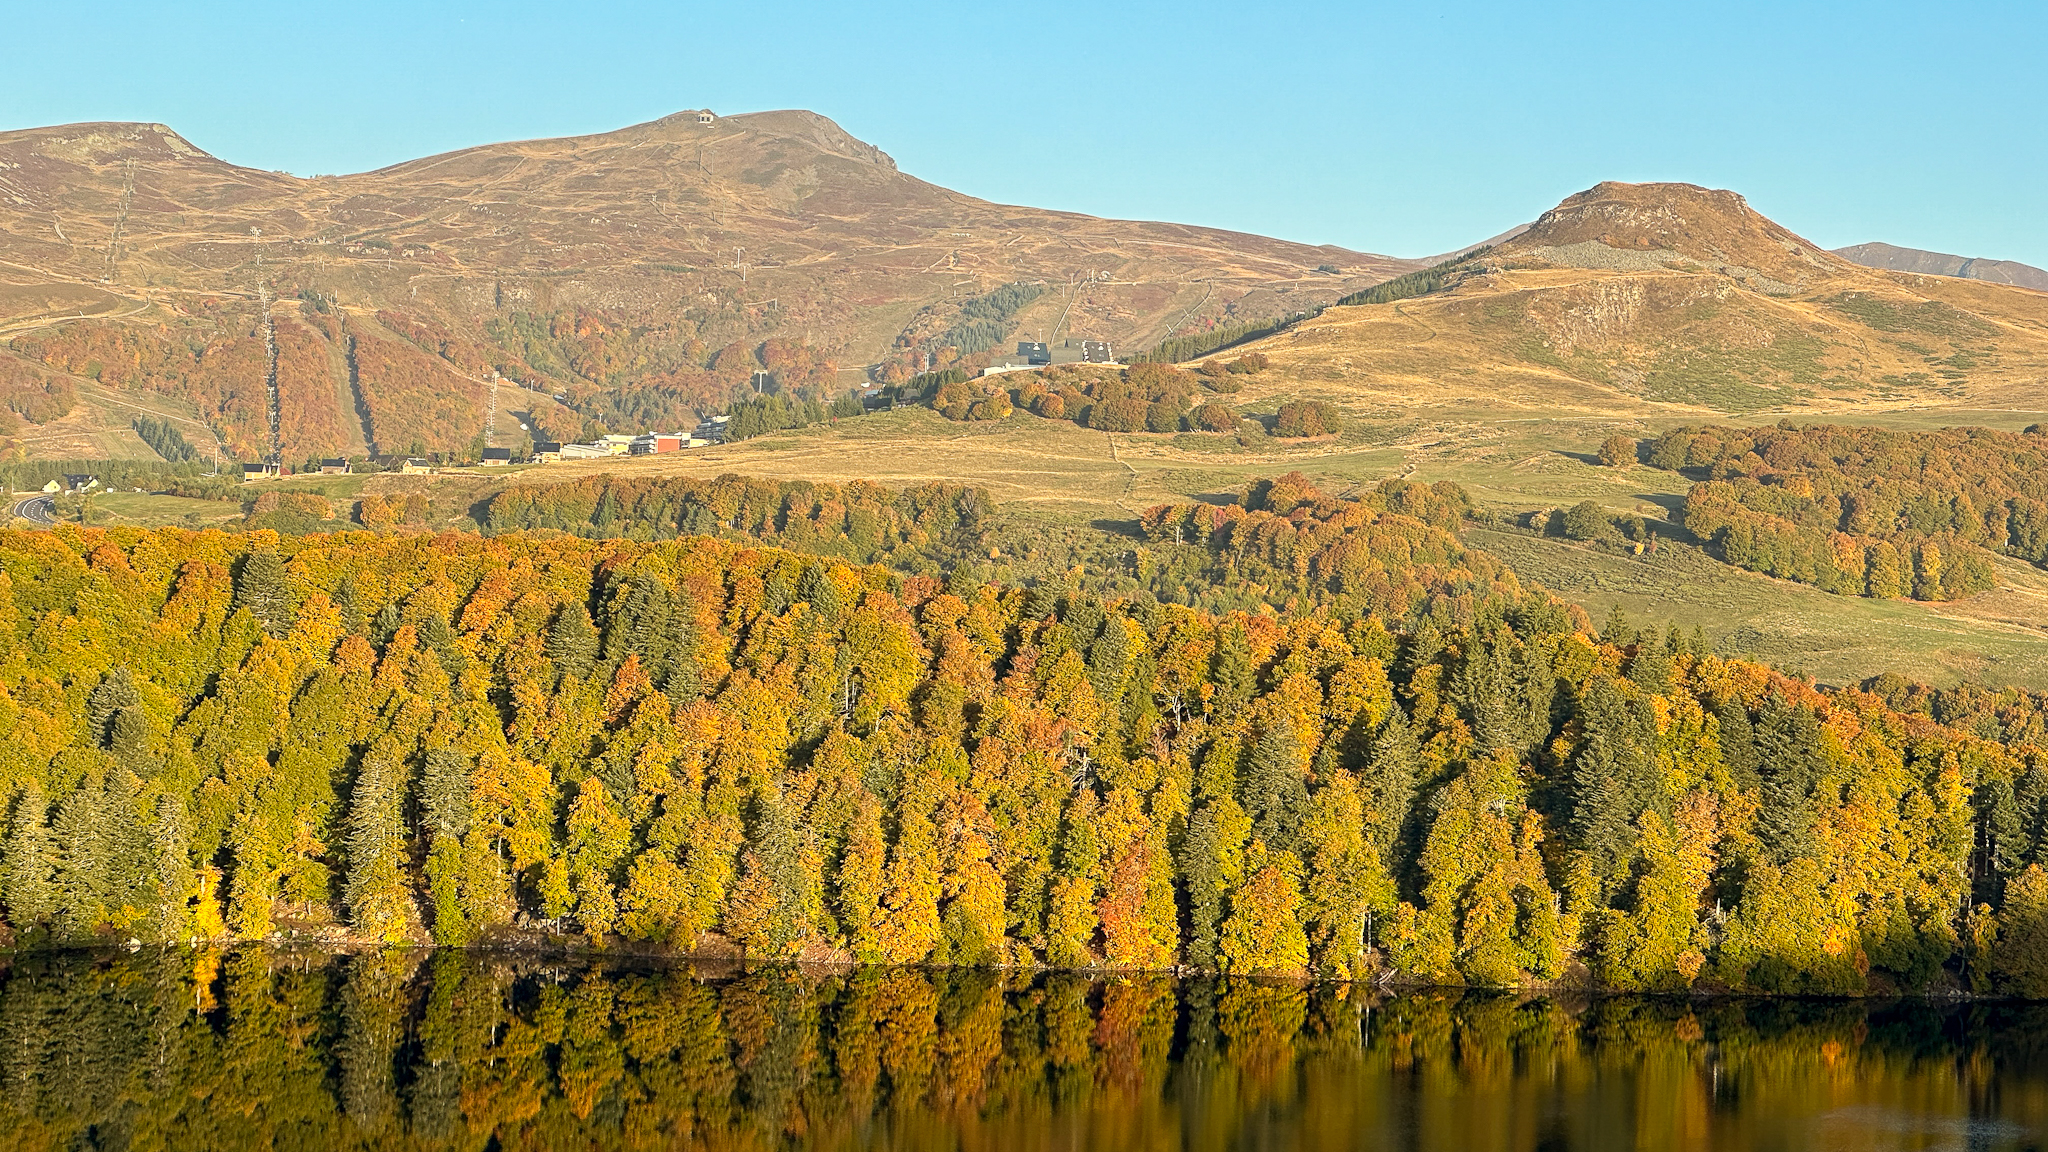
x,y
259,1049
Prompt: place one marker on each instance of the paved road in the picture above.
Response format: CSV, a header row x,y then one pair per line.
x,y
38,509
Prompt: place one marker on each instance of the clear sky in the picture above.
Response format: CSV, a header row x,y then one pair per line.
x,y
1408,129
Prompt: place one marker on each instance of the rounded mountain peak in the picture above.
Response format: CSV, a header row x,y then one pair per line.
x,y
1637,227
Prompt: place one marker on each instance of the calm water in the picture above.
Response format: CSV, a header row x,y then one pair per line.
x,y
444,1050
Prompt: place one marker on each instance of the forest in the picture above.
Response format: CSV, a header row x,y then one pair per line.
x,y
258,1050
1865,511
721,748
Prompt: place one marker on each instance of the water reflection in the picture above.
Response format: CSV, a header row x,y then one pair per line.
x,y
455,1050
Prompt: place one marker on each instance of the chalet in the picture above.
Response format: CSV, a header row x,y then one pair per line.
x,y
546,451
497,457
414,466
615,443
1034,352
705,117
75,484
1095,352
334,467
583,451
258,471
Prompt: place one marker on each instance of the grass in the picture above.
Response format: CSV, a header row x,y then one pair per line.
x,y
1836,639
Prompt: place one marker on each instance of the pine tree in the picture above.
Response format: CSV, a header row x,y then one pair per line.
x,y
379,903
29,883
1231,670
1738,743
84,862
1789,765
1389,782
1202,880
445,818
113,695
572,643
1613,778
174,879
260,588
1274,791
777,899
816,588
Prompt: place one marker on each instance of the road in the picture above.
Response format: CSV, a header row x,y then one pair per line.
x,y
38,510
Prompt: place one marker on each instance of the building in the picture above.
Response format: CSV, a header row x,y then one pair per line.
x,y
335,467
258,471
414,466
583,451
616,443
711,429
546,451
78,485
874,399
705,117
497,457
656,442
1034,352
1096,352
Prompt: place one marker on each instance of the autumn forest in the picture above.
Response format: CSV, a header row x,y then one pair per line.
x,y
790,734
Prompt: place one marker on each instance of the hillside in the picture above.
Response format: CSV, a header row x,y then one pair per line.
x,y
636,273
1668,300
732,749
1942,264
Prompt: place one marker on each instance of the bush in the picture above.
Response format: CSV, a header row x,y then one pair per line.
x,y
1127,415
1162,417
1224,384
1249,364
1618,450
954,400
1587,521
1052,406
1214,418
1301,418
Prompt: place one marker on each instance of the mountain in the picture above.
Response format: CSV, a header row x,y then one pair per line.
x,y
1668,299
1925,263
634,275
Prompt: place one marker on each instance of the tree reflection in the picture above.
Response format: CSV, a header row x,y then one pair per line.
x,y
460,1050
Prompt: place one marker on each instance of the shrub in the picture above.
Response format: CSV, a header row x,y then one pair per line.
x,y
1126,415
1587,521
1162,417
1249,364
1617,450
1214,418
1300,418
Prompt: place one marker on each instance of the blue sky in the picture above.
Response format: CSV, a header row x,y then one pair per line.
x,y
1408,129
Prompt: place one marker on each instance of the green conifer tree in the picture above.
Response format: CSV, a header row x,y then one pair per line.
x,y
174,879
1202,883
29,883
260,588
379,902
1274,790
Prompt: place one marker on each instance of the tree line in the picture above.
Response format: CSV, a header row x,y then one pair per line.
x,y
706,745
1865,511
